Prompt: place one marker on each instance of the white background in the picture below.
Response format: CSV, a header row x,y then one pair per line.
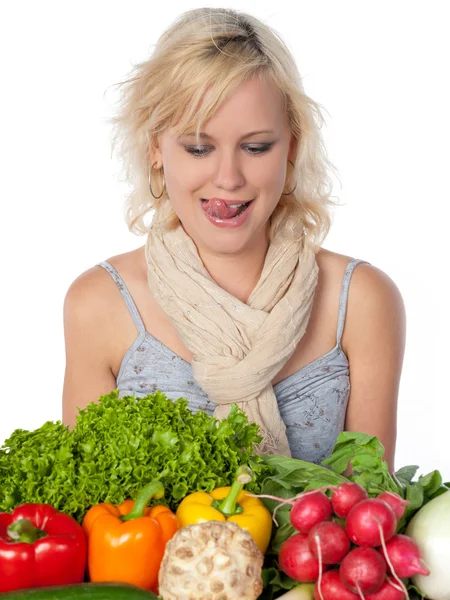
x,y
379,69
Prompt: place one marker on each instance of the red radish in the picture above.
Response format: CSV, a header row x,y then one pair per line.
x,y
332,588
404,557
395,501
390,590
328,542
309,509
296,560
365,519
345,496
363,570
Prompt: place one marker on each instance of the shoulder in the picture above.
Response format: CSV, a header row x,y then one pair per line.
x,y
369,284
94,289
374,299
98,328
375,306
373,295
93,298
88,295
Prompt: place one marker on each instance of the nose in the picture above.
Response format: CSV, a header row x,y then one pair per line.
x,y
229,174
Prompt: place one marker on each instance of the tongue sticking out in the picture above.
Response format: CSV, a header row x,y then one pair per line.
x,y
219,209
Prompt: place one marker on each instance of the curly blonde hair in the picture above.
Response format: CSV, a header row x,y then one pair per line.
x,y
214,50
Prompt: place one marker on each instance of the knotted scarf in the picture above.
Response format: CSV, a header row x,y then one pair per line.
x,y
238,348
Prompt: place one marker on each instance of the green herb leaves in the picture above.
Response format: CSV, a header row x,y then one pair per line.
x,y
365,454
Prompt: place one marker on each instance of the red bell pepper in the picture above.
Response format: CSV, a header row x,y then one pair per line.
x,y
40,546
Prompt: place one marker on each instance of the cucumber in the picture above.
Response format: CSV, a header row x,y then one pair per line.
x,y
83,591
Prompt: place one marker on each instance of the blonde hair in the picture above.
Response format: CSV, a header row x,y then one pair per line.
x,y
196,65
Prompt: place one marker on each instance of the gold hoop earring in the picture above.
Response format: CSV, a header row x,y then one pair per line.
x,y
292,191
150,183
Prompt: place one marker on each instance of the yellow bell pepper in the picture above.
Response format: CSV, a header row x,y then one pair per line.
x,y
230,503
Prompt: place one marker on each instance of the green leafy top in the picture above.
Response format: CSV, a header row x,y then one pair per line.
x,y
120,444
365,454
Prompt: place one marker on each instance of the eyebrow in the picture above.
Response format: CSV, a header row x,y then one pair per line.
x,y
204,135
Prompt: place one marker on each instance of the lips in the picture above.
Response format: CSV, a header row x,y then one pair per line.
x,y
223,209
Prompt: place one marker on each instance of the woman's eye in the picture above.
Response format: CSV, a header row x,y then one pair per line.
x,y
199,151
258,149
196,151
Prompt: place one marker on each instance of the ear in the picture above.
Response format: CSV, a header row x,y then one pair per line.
x,y
156,155
293,144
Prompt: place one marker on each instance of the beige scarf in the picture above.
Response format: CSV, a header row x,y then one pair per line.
x,y
237,348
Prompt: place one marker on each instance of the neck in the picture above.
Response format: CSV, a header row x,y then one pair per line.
x,y
237,274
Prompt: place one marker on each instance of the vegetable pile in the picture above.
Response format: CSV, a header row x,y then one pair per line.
x,y
135,475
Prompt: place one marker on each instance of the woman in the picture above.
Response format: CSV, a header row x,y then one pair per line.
x,y
232,297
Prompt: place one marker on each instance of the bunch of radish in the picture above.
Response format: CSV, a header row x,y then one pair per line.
x,y
347,544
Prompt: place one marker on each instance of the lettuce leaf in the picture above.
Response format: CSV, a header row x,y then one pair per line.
x,y
120,444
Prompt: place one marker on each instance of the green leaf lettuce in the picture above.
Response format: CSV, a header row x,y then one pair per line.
x,y
120,444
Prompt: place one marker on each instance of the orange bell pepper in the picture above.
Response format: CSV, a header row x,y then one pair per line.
x,y
126,543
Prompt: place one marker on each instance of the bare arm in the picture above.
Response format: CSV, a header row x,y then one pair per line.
x,y
375,333
88,374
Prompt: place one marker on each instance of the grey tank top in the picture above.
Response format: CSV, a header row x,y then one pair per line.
x,y
312,401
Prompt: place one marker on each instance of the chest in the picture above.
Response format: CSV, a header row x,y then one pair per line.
x,y
319,338
312,402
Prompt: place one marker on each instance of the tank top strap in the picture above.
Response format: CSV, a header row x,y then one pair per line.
x,y
344,295
126,295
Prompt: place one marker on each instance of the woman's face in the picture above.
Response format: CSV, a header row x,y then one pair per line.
x,y
230,166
